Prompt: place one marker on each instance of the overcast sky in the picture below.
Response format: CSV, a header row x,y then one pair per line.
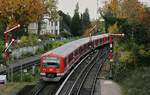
x,y
68,6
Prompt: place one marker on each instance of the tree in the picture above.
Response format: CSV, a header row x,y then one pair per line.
x,y
76,22
2,27
113,29
50,9
132,18
86,18
65,17
117,11
133,10
20,11
1,49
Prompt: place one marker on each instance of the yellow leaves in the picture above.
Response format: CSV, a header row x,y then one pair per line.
x,y
114,6
113,28
133,10
21,11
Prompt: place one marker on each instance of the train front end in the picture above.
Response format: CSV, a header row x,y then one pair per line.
x,y
51,67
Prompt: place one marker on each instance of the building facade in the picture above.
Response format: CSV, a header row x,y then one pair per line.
x,y
47,26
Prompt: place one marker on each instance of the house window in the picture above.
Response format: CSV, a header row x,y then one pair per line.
x,y
52,23
56,23
56,32
52,31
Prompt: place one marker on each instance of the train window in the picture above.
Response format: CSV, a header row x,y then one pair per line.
x,y
76,52
85,47
95,42
70,57
80,49
108,39
101,41
51,62
65,62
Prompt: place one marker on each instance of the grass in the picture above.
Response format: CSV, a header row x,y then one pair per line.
x,y
137,82
12,88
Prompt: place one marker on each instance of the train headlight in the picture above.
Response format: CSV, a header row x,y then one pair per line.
x,y
44,69
50,69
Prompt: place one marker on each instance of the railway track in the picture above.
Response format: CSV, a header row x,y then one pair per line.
x,y
45,89
79,80
76,83
87,85
50,88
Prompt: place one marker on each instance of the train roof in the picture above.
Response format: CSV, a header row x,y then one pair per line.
x,y
68,48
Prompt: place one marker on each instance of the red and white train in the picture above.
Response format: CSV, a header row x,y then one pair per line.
x,y
58,62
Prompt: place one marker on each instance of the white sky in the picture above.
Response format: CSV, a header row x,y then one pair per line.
x,y
68,6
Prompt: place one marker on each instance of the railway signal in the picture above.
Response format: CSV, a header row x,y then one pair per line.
x,y
7,49
111,44
110,55
6,40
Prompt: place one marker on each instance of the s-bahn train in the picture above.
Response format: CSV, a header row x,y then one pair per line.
x,y
58,62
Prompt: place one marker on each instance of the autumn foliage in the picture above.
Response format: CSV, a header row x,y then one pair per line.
x,y
20,11
133,10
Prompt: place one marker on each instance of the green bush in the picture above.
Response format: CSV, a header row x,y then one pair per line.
x,y
47,36
28,77
1,49
24,40
57,44
33,39
65,34
16,77
126,57
29,40
28,54
137,81
40,50
53,45
48,47
2,28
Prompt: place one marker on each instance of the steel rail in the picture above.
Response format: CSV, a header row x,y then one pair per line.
x,y
65,81
80,75
81,78
66,90
95,79
85,78
40,89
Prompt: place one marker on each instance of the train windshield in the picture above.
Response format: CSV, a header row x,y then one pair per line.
x,y
51,62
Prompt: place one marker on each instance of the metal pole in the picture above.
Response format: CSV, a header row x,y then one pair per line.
x,y
6,45
6,40
111,55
